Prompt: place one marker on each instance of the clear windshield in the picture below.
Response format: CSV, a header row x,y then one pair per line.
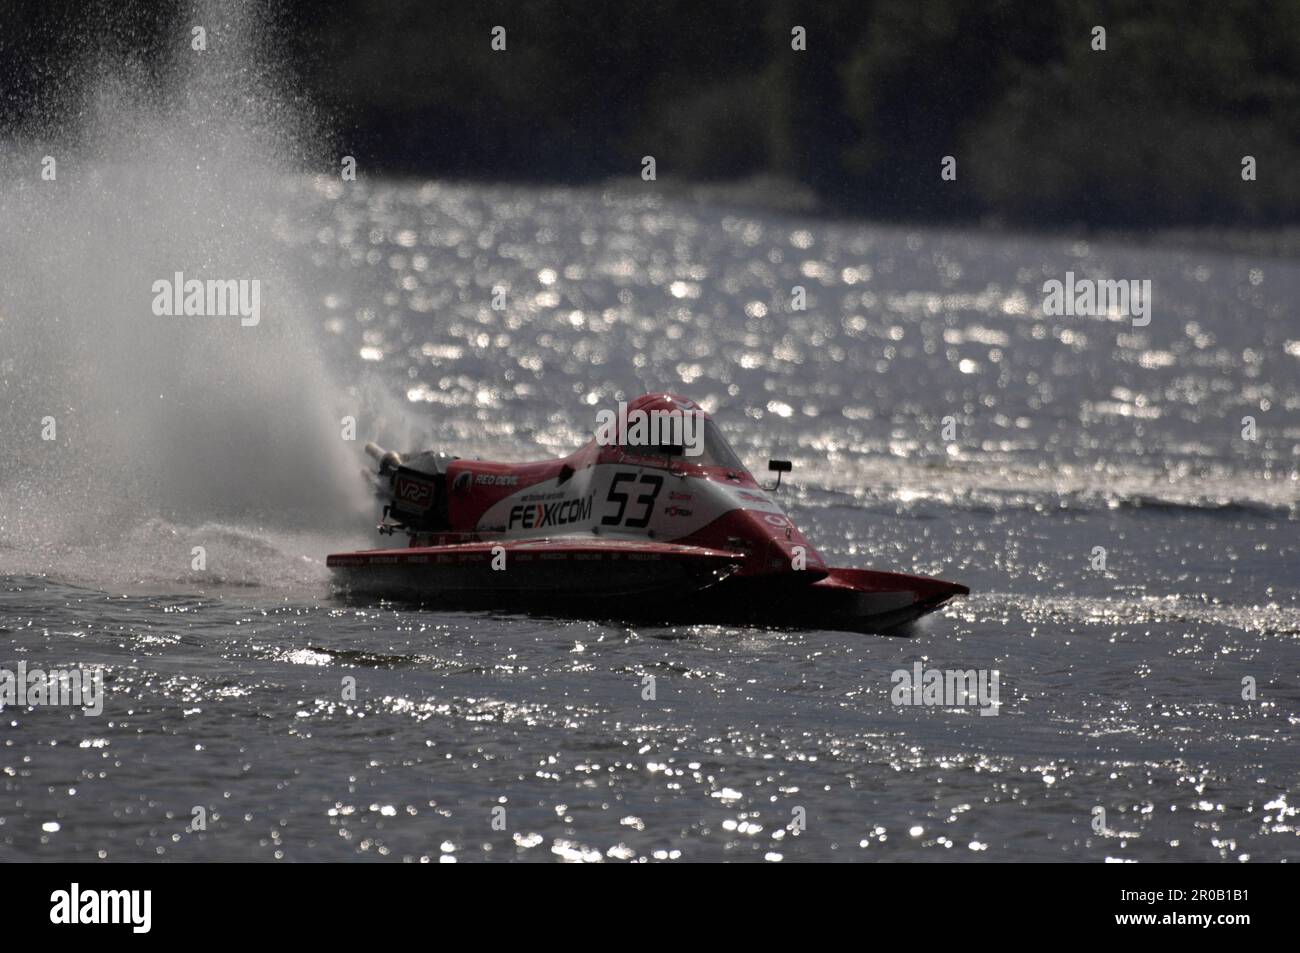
x,y
715,451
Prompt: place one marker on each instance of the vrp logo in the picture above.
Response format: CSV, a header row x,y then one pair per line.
x,y
413,491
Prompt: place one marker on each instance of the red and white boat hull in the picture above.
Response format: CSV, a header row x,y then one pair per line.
x,y
618,531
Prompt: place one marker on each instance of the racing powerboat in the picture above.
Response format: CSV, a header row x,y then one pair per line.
x,y
658,523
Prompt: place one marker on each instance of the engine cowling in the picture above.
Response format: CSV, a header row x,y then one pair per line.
x,y
413,488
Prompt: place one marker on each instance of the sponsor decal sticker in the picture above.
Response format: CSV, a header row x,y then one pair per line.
x,y
559,513
410,490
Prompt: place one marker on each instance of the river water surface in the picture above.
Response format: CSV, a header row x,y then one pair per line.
x,y
1121,733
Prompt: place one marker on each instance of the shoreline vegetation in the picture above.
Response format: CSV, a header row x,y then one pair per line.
x,y
1047,128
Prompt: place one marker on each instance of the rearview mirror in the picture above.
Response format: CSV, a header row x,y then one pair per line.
x,y
778,467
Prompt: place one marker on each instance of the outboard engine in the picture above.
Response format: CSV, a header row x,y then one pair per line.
x,y
413,488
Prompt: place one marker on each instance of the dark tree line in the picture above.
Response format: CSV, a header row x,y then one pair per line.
x,y
1045,129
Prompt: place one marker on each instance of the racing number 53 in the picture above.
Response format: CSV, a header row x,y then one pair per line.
x,y
647,500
